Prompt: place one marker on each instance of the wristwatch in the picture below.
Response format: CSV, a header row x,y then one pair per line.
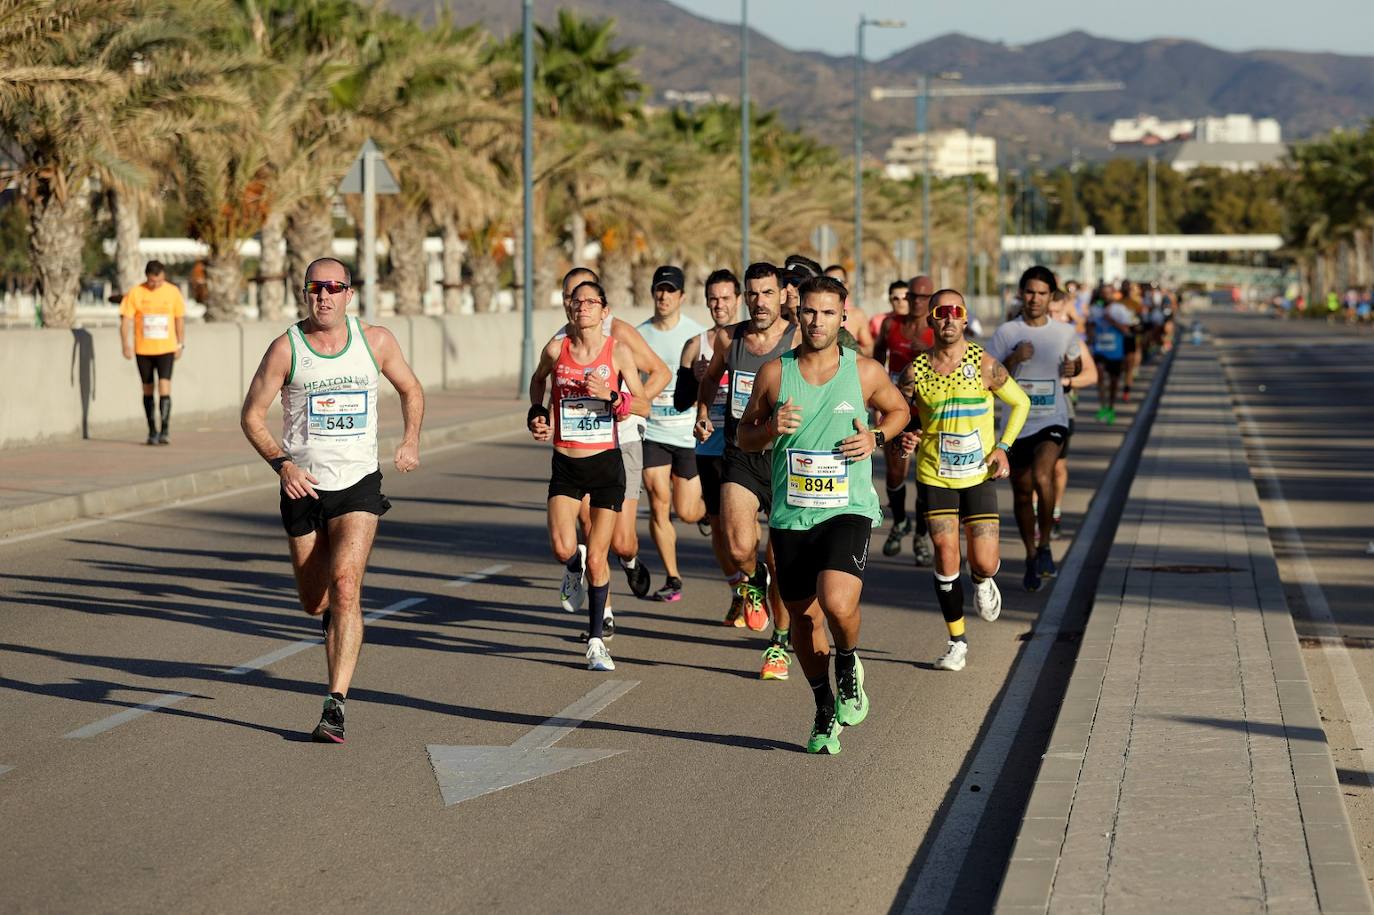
x,y
879,438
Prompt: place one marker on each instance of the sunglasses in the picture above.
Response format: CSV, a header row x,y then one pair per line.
x,y
945,312
324,287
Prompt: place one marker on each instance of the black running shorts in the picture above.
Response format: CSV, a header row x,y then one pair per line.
x,y
1064,452
306,514
1109,366
710,469
838,544
601,475
1022,454
753,470
682,460
162,363
973,505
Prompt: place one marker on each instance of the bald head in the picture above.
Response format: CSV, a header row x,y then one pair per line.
x,y
921,285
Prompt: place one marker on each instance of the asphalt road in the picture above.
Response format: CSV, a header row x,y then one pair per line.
x,y
1305,389
215,800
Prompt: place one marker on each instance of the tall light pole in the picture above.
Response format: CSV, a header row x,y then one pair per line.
x,y
856,288
744,133
527,288
1150,193
922,113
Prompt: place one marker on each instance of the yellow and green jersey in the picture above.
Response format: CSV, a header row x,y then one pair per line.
x,y
956,416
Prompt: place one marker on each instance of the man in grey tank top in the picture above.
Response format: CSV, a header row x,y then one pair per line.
x,y
325,367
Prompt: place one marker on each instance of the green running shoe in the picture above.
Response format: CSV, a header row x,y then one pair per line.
x,y
825,735
851,703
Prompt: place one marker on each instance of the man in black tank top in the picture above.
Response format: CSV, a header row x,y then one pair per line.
x,y
746,479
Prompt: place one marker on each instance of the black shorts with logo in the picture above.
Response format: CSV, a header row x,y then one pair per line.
x,y
1022,453
838,544
683,460
751,469
973,505
162,363
600,475
710,469
306,514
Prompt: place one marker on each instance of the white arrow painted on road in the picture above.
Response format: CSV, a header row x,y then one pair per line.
x,y
464,773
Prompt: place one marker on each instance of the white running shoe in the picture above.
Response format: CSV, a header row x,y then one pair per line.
x,y
954,657
598,658
988,599
574,590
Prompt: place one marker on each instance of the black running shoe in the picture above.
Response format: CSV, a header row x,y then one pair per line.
x,y
637,577
331,726
893,544
1031,580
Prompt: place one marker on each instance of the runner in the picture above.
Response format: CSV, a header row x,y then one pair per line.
x,y
156,313
325,369
670,458
808,406
855,319
953,385
746,487
625,540
1061,309
901,335
588,371
722,301
1038,352
1109,331
896,305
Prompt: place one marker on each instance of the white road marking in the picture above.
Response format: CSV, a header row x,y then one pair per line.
x,y
466,772
258,663
935,883
1348,686
4,769
480,574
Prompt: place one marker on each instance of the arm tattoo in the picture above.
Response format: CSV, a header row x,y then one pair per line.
x,y
997,375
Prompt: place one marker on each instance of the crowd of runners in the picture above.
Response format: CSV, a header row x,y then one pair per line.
x,y
730,425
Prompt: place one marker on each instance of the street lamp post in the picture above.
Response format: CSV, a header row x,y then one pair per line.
x,y
744,133
527,288
856,289
922,114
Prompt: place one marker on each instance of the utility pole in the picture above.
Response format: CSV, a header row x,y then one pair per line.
x,y
1150,195
527,288
856,288
744,133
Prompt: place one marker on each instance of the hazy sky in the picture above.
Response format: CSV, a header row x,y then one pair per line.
x,y
1341,26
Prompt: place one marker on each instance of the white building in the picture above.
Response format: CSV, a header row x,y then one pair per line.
x,y
1238,128
952,153
1233,157
1150,130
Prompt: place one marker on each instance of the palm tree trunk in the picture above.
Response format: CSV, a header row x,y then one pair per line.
x,y
545,277
485,275
453,267
224,280
616,278
407,241
56,237
578,230
272,268
309,234
128,229
642,278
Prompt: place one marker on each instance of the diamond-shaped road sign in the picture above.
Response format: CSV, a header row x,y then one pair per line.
x,y
352,182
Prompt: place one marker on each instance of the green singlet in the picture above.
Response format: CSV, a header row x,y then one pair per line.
x,y
812,481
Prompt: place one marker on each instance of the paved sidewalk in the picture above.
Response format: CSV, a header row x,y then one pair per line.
x,y
59,482
1188,769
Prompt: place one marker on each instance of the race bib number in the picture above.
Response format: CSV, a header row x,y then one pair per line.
x,y
961,456
666,416
1041,394
717,411
157,327
586,420
743,389
338,414
817,479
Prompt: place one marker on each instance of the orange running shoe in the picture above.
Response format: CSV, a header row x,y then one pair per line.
x,y
775,663
755,607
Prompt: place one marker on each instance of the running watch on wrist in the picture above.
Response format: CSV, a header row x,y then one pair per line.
x,y
615,397
1005,447
879,438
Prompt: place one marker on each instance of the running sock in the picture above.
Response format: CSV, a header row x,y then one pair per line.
x,y
734,580
574,564
148,412
782,638
338,697
896,501
949,591
821,691
164,407
760,577
1057,516
325,617
844,662
596,609
628,563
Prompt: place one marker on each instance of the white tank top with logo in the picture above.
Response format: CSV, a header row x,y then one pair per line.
x,y
329,410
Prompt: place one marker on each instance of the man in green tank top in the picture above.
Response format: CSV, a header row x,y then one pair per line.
x,y
809,405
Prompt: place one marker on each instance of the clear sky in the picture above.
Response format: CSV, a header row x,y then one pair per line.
x,y
1340,26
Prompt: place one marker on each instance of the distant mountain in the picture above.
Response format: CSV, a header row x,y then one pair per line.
x,y
1308,93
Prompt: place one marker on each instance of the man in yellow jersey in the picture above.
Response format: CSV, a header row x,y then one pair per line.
x,y
156,313
326,370
952,385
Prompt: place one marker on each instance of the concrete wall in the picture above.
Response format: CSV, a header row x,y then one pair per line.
x,y
63,384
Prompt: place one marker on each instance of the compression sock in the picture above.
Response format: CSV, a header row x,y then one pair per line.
x,y
596,609
844,662
896,501
950,593
148,412
164,407
574,563
760,577
820,689
782,638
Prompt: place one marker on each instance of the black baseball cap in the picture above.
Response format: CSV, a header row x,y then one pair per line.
x,y
668,275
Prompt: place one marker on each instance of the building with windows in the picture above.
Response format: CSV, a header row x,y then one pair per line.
x,y
953,153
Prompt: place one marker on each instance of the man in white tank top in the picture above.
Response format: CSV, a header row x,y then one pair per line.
x,y
325,368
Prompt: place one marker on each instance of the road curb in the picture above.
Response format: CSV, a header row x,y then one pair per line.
x,y
168,491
